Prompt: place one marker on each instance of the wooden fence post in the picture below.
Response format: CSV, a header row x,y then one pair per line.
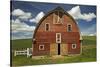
x,y
27,52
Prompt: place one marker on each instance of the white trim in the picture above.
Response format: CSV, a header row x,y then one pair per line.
x,y
48,28
40,47
53,18
74,47
71,27
57,39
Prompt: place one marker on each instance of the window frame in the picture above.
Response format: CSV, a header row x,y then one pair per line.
x,y
75,46
40,47
48,27
68,27
57,38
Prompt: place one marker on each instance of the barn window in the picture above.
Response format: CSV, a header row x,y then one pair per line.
x,y
73,46
41,47
69,28
47,27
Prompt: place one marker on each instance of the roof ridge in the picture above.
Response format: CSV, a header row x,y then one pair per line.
x,y
59,8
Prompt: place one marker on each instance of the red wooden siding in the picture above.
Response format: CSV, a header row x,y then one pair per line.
x,y
51,37
74,51
38,52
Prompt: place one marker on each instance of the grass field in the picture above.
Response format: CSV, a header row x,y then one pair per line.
x,y
88,53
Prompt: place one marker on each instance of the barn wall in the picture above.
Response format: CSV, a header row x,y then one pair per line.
x,y
50,37
38,52
74,51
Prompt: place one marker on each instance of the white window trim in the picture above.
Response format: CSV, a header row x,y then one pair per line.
x,y
57,39
71,27
40,47
49,26
74,47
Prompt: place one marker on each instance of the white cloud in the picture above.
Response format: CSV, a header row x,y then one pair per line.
x,y
17,25
18,12
76,13
38,17
88,17
21,30
21,14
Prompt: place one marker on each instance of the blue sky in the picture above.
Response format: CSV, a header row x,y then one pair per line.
x,y
25,17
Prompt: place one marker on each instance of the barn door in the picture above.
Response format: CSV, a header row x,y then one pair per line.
x,y
58,48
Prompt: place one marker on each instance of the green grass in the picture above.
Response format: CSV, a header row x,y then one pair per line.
x,y
88,53
21,43
89,40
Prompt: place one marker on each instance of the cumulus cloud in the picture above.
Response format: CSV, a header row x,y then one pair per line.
x,y
38,17
21,14
76,13
17,25
18,12
21,30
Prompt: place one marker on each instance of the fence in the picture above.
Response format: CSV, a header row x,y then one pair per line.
x,y
27,52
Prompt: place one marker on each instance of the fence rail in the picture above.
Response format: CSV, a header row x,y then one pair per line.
x,y
27,52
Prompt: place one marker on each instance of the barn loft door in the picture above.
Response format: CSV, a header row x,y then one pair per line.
x,y
58,37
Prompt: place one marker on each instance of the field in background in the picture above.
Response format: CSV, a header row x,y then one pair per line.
x,y
88,53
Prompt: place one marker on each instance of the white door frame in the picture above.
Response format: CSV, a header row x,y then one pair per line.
x,y
57,37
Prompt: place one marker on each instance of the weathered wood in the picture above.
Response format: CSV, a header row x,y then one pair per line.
x,y
64,49
53,49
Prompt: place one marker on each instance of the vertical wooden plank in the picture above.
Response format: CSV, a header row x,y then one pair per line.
x,y
64,49
53,49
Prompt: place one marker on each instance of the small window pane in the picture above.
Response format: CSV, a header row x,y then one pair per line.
x,y
69,28
41,47
47,27
73,46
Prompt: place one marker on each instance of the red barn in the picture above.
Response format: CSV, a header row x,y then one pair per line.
x,y
57,33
